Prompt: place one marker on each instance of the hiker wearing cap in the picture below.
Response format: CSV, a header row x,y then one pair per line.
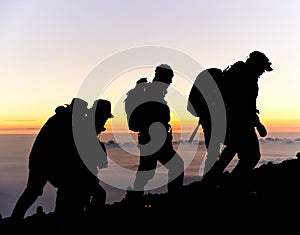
x,y
83,193
151,120
94,154
240,94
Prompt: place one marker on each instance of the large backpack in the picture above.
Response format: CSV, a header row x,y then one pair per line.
x,y
135,97
197,104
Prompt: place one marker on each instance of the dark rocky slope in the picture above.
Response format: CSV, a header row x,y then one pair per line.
x,y
269,203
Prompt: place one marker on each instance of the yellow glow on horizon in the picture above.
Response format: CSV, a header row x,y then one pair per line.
x,y
282,125
19,129
120,126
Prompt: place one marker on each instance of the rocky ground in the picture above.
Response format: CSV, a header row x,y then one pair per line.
x,y
269,203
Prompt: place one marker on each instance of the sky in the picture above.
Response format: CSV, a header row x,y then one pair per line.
x,y
49,49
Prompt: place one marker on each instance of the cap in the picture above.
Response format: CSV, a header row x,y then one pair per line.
x,y
261,58
102,107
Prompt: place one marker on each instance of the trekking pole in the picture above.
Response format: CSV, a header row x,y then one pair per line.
x,y
194,133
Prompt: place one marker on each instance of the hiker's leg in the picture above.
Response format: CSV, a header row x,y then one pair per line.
x,y
248,154
145,172
34,188
175,173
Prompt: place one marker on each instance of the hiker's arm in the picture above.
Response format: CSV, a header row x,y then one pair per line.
x,y
260,127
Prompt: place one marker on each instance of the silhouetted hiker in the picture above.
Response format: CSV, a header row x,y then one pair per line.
x,y
100,113
89,195
209,81
82,192
241,91
54,158
149,115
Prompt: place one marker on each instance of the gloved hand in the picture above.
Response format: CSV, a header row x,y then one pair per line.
x,y
261,129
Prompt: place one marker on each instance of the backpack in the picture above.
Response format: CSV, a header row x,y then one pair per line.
x,y
197,104
134,98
